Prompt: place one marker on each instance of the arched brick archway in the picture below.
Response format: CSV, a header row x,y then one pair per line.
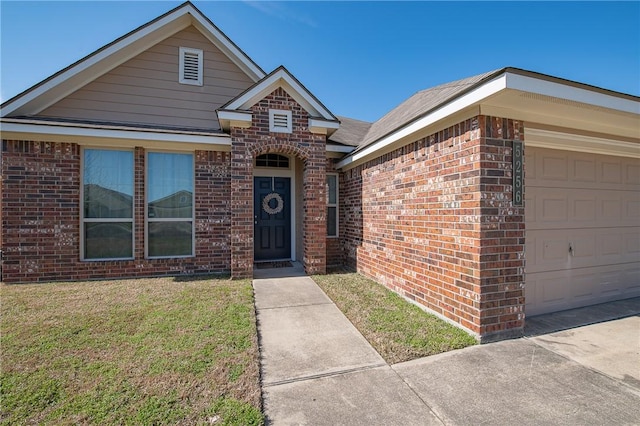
x,y
310,148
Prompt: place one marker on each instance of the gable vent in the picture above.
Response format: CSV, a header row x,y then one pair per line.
x,y
280,121
191,66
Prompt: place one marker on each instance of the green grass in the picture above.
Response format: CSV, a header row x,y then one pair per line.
x,y
132,352
397,329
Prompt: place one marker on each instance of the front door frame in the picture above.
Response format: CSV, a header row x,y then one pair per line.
x,y
288,173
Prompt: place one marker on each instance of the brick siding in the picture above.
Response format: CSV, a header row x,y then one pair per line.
x,y
41,217
248,143
434,221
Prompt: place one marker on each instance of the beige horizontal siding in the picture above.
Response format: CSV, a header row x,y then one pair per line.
x,y
145,89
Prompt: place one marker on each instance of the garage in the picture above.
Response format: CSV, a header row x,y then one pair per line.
x,y
582,214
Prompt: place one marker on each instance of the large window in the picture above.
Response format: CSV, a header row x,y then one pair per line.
x,y
332,205
107,208
169,205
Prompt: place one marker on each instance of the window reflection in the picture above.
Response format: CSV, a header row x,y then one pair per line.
x,y
107,204
170,182
108,184
170,185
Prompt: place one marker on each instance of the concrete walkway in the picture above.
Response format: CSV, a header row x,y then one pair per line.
x,y
317,369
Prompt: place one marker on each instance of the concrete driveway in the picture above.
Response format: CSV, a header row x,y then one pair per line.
x,y
318,370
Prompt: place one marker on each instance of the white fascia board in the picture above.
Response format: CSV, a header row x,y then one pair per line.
x,y
223,43
12,130
172,20
230,119
235,116
488,89
281,78
322,127
340,148
572,93
540,138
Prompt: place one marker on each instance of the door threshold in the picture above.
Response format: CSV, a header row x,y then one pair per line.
x,y
271,264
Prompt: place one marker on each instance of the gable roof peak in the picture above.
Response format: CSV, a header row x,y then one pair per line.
x,y
52,89
280,78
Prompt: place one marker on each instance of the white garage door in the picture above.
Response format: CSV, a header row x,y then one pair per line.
x,y
582,229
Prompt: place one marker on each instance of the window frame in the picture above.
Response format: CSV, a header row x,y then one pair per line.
x,y
181,78
148,220
84,220
336,204
270,159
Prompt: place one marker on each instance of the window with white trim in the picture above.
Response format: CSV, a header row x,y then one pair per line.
x,y
191,64
107,204
280,121
170,184
332,205
275,161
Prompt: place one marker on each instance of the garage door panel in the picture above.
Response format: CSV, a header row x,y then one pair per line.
x,y
632,173
582,235
584,248
552,250
631,210
632,245
559,208
559,290
583,210
584,170
543,168
631,280
546,292
611,171
583,287
553,166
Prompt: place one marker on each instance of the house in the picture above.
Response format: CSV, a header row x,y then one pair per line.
x,y
169,151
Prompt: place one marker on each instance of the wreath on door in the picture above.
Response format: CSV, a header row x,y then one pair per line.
x,y
266,203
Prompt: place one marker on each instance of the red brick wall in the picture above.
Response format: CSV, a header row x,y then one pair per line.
x,y
41,217
310,148
434,221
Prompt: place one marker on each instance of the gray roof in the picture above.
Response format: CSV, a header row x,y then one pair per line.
x,y
419,105
351,131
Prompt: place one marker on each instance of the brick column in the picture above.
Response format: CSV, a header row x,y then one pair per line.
x,y
241,205
315,212
502,233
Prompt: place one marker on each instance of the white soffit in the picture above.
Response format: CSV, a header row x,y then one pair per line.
x,y
109,57
579,143
572,93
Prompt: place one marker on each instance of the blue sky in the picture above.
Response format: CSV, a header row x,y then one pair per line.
x,y
360,59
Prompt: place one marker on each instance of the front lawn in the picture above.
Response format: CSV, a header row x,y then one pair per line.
x,y
139,352
397,329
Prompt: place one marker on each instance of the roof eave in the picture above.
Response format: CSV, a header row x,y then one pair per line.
x,y
13,129
506,79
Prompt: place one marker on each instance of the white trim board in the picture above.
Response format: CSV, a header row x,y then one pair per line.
x,y
84,136
579,143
